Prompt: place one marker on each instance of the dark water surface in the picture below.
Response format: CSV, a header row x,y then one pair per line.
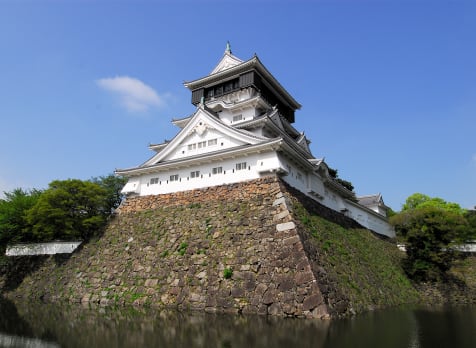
x,y
44,325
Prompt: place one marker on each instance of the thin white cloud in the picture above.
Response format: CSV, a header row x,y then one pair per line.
x,y
134,94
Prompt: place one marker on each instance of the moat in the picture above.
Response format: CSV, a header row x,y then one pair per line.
x,y
48,325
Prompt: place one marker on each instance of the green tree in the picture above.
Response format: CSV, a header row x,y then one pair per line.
x,y
113,185
13,223
470,216
420,200
335,175
430,228
69,209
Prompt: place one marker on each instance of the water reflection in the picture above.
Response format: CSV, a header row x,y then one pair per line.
x,y
74,326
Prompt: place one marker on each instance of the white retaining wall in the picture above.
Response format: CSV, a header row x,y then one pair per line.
x,y
42,248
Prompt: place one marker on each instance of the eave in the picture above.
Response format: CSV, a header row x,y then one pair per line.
x,y
182,122
267,120
210,157
253,63
368,210
158,147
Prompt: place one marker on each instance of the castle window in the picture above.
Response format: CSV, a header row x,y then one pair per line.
x,y
174,177
195,174
228,86
192,147
154,181
237,118
241,166
217,170
212,142
202,144
299,176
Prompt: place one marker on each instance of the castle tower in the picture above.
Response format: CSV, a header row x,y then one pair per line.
x,y
242,130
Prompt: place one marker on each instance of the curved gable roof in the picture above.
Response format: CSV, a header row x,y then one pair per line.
x,y
201,120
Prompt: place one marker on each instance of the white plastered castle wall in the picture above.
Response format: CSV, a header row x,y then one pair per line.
x,y
206,175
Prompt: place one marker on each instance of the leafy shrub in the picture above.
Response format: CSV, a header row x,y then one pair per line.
x,y
227,273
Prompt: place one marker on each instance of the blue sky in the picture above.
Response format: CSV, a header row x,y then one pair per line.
x,y
388,88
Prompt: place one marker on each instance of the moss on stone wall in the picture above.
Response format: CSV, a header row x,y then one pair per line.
x,y
364,268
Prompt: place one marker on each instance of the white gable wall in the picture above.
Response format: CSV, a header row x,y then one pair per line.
x,y
209,141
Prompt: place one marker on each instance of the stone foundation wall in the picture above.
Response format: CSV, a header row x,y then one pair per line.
x,y
232,248
253,247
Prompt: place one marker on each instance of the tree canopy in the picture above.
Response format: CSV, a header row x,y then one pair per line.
x,y
68,210
430,228
113,185
420,200
13,224
335,175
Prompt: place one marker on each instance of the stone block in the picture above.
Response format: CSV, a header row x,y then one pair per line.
x,y
151,282
279,201
281,215
237,292
261,289
269,297
285,226
320,312
275,309
291,240
312,302
302,278
286,283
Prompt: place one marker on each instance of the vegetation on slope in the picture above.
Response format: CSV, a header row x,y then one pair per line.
x,y
366,269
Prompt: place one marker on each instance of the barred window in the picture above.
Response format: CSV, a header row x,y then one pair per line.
x,y
217,170
241,166
237,118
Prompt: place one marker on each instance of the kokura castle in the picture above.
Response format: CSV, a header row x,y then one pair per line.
x,y
242,129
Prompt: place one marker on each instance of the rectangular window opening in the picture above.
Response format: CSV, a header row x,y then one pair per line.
x,y
237,118
240,166
217,170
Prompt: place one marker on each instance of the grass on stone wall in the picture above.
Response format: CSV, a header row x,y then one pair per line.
x,y
366,268
465,270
